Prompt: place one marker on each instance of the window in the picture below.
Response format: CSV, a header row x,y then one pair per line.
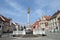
x,y
58,18
46,24
18,27
0,26
43,29
14,28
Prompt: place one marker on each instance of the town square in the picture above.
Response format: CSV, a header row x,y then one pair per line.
x,y
29,20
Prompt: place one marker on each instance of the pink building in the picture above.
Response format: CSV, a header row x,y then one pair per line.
x,y
41,23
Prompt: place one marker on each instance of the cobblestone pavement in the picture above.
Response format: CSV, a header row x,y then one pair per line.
x,y
50,36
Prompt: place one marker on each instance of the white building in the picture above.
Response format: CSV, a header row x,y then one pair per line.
x,y
54,22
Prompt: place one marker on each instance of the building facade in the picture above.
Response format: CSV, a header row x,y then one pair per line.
x,y
5,23
54,22
41,23
44,22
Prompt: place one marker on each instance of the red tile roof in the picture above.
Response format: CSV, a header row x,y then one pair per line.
x,y
47,17
35,24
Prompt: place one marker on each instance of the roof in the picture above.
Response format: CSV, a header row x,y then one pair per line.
x,y
47,17
4,19
35,24
55,14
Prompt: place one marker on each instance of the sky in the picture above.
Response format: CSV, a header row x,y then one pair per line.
x,y
17,9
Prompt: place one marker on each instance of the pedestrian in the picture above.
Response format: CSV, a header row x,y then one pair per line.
x,y
24,27
21,28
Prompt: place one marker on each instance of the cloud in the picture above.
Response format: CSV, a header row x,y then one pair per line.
x,y
19,18
13,4
6,11
36,14
53,4
16,6
48,6
39,12
39,8
18,15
